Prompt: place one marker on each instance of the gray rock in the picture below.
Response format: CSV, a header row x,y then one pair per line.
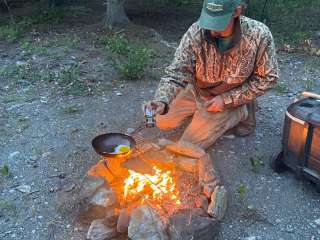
x,y
164,142
218,205
156,157
99,231
123,221
90,185
202,202
24,189
186,149
192,225
146,224
138,165
111,217
99,204
104,198
130,130
14,154
208,188
187,164
252,238
208,177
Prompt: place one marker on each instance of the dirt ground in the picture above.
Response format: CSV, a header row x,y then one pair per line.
x,y
46,133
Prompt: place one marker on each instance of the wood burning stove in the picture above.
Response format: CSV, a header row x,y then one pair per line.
x,y
301,140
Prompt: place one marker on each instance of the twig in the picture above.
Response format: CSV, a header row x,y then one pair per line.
x,y
33,192
264,8
9,10
190,217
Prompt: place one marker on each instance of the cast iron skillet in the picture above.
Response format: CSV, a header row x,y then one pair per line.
x,y
104,144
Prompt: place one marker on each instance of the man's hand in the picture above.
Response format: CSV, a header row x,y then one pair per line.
x,y
215,104
157,107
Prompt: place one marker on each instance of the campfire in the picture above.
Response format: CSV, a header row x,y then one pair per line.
x,y
143,194
154,188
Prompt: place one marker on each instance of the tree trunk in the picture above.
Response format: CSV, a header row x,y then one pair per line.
x,y
115,14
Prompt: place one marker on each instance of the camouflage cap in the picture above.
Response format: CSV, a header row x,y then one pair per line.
x,y
216,14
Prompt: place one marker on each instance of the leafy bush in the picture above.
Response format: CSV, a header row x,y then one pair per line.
x,y
130,59
291,21
53,15
175,3
68,75
117,44
13,31
136,63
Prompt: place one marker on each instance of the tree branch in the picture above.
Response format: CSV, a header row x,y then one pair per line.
x,y
9,10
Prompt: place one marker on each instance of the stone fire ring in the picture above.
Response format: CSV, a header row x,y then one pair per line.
x,y
106,219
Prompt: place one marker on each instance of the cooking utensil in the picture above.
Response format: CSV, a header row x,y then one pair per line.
x,y
106,144
310,94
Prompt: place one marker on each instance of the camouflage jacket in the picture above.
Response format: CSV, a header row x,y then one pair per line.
x,y
239,75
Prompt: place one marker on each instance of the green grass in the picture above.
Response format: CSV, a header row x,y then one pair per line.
x,y
14,31
136,64
69,74
11,99
9,70
117,44
281,88
242,191
132,60
72,109
4,170
33,47
11,32
29,74
70,82
67,41
78,88
6,207
256,164
309,84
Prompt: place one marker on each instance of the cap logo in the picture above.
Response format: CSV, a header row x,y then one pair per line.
x,y
213,7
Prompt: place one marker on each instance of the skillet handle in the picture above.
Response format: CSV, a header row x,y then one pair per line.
x,y
310,94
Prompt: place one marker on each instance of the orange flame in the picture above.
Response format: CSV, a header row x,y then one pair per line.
x,y
156,188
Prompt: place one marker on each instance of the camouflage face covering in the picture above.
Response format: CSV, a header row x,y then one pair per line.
x,y
241,74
